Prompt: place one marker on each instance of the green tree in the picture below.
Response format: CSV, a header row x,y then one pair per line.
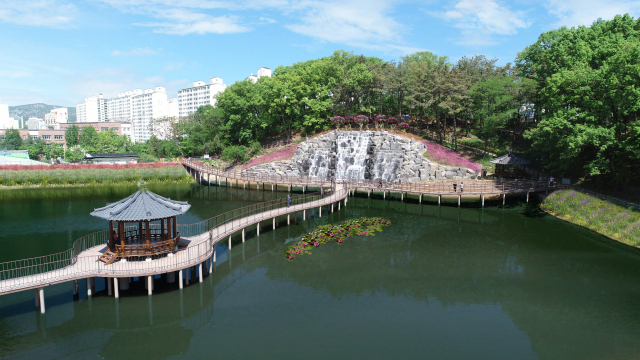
x,y
71,135
87,136
588,99
12,139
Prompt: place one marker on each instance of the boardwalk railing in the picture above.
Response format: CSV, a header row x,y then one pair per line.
x,y
256,177
444,187
70,264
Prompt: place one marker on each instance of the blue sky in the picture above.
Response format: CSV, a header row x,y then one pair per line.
x,y
61,51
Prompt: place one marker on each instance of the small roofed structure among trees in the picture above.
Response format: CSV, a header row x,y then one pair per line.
x,y
146,239
510,166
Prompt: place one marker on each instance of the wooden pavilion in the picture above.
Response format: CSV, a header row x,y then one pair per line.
x,y
510,166
146,239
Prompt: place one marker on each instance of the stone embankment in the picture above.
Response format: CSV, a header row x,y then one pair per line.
x,y
363,155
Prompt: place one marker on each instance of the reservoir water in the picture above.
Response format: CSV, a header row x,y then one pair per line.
x,y
439,283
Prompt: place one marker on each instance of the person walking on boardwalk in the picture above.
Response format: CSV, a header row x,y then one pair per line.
x,y
380,183
461,187
455,185
288,200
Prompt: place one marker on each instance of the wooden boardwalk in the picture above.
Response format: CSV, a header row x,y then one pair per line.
x,y
200,248
81,261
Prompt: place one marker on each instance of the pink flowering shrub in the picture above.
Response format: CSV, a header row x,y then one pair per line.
x,y
283,154
445,156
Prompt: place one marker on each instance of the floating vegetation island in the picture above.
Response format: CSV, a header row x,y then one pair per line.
x,y
365,226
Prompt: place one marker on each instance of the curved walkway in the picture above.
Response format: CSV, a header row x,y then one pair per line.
x,y
199,249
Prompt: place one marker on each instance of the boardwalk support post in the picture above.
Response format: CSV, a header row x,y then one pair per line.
x,y
527,196
41,291
229,242
116,289
74,286
200,271
482,200
439,199
243,234
304,214
37,298
274,223
150,284
109,287
420,199
89,287
289,219
320,211
459,197
180,278
503,198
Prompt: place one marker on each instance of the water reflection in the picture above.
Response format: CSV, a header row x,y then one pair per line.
x,y
442,282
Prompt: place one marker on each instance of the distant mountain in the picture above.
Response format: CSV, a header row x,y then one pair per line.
x,y
38,110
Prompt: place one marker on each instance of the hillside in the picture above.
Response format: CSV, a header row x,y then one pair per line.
x,y
38,110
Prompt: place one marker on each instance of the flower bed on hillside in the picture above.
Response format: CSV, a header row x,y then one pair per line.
x,y
282,154
91,174
325,233
604,217
445,156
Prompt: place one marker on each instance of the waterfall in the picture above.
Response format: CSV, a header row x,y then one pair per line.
x,y
352,155
386,164
320,161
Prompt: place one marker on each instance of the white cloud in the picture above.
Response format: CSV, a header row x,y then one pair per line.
x,y
572,13
484,16
48,13
266,20
362,23
182,17
133,52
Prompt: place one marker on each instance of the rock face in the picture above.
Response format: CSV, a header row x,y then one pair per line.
x,y
363,155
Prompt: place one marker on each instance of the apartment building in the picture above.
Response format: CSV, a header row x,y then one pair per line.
x,y
200,94
262,72
93,109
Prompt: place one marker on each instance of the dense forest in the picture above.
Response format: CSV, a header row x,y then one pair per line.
x,y
578,90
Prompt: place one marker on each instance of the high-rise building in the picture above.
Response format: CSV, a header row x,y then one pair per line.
x,y
5,123
173,108
190,99
138,107
35,123
93,109
262,72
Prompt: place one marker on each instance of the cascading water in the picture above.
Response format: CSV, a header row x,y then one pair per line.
x,y
386,164
352,155
320,162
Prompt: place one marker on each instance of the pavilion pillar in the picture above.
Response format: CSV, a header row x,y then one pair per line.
x,y
148,234
162,235
139,229
175,227
121,231
111,239
169,232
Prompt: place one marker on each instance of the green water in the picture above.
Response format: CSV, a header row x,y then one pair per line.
x,y
440,283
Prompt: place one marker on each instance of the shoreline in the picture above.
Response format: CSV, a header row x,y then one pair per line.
x,y
569,220
51,186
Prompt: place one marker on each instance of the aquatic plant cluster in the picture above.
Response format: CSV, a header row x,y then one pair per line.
x,y
282,154
604,217
445,156
92,174
365,226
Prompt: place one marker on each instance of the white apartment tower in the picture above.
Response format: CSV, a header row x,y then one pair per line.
x,y
93,109
190,99
5,123
263,71
139,107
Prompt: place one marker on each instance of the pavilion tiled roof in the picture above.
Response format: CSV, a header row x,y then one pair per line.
x,y
141,206
510,159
